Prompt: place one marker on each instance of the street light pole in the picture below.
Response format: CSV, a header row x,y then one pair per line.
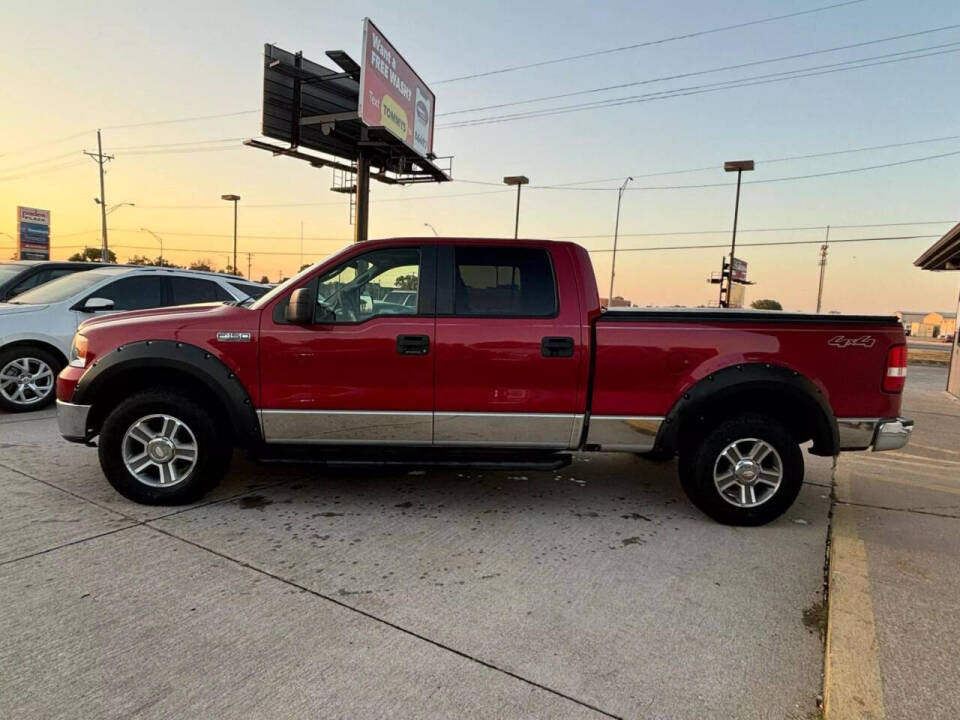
x,y
435,233
158,239
739,166
233,199
616,234
518,180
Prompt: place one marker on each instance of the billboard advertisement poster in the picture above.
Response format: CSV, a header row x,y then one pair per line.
x,y
738,295
33,233
738,270
392,95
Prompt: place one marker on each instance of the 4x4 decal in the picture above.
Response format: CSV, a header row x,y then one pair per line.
x,y
842,341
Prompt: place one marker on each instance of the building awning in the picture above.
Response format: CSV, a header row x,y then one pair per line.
x,y
944,254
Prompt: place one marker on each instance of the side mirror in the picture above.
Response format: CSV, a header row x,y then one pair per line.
x,y
300,307
96,303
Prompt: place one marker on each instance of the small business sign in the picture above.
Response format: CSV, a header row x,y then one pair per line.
x,y
738,270
33,233
392,95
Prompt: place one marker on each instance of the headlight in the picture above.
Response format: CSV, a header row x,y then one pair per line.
x,y
78,351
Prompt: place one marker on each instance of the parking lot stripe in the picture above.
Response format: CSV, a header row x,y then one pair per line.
x,y
852,684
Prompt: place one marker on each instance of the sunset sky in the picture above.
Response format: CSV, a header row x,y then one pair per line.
x,y
134,68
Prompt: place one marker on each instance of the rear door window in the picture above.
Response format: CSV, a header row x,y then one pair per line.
x,y
503,282
188,290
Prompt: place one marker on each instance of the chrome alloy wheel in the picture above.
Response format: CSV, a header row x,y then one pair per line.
x,y
159,450
26,381
748,472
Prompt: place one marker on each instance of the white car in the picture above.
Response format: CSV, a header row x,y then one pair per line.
x,y
37,327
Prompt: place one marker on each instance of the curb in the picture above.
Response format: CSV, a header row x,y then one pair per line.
x,y
852,686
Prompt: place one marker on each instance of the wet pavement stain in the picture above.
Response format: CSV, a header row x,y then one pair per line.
x,y
633,541
254,501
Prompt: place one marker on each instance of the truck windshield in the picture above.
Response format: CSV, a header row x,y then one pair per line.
x,y
63,288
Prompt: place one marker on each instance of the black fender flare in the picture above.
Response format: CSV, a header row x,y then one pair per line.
x,y
147,355
727,383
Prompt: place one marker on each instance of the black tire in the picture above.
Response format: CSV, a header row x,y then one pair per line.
x,y
657,455
214,448
32,355
699,463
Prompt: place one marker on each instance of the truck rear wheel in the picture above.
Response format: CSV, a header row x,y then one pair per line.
x,y
746,471
162,448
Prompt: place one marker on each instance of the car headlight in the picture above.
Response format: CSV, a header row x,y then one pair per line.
x,y
78,351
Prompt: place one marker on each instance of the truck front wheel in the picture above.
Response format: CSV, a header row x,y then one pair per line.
x,y
746,471
162,448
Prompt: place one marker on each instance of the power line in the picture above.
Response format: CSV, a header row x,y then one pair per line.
x,y
678,76
726,231
767,244
180,120
767,161
807,176
647,43
768,78
320,204
41,171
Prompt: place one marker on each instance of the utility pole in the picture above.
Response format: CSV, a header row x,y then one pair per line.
x,y
823,267
101,160
249,256
616,234
301,247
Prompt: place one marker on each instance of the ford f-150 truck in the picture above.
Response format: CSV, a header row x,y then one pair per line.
x,y
506,358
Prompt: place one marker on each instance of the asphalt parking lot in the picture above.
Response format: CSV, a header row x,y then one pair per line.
x,y
594,591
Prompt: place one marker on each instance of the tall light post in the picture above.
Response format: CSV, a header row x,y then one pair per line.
x,y
616,233
104,211
158,239
233,199
739,167
519,181
117,206
435,233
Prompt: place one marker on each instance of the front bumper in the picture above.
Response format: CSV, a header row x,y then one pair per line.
x,y
874,434
72,420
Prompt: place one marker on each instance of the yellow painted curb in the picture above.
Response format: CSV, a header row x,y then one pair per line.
x,y
852,688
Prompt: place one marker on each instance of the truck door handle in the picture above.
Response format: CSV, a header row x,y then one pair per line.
x,y
413,344
557,347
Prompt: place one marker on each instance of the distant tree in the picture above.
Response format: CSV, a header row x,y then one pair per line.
x,y
407,282
264,279
92,255
766,304
230,270
156,262
201,265
303,267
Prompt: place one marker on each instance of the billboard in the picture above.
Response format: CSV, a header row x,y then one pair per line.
x,y
33,233
737,296
738,270
392,95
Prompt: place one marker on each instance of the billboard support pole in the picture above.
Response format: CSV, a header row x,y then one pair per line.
x,y
363,197
823,267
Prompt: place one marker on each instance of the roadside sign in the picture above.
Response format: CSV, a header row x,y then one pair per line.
x,y
33,233
738,270
392,95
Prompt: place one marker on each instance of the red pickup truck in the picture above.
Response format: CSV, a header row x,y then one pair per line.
x,y
505,358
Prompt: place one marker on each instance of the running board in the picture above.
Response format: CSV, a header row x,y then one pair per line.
x,y
412,457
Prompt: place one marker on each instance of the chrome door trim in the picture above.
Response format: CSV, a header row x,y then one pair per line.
x,y
856,433
347,427
626,433
513,430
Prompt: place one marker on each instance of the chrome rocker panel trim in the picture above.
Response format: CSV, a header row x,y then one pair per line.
x,y
346,427
72,421
623,433
874,433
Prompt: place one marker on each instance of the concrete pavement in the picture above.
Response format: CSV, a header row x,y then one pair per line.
x,y
894,572
595,591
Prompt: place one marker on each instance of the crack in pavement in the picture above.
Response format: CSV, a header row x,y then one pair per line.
x,y
370,616
915,511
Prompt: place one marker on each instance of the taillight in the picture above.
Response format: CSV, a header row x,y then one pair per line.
x,y
895,374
